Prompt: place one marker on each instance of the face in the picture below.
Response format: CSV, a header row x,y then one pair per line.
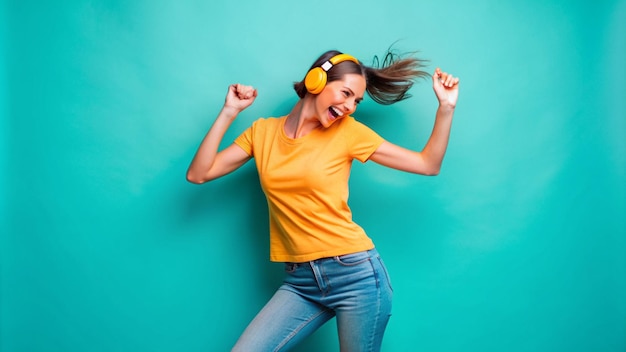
x,y
340,98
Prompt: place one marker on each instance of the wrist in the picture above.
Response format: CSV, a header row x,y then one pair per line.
x,y
446,107
229,112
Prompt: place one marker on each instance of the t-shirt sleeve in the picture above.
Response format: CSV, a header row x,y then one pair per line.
x,y
363,141
245,141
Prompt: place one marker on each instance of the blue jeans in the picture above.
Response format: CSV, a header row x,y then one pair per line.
x,y
354,287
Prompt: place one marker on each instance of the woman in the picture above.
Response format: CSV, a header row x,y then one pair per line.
x,y
304,158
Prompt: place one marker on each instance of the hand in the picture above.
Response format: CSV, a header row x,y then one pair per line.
x,y
446,88
239,97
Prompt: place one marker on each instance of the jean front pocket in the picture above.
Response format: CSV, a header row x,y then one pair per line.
x,y
353,258
385,272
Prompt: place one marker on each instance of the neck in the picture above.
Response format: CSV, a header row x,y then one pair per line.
x,y
300,121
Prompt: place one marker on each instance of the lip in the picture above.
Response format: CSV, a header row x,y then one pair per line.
x,y
331,116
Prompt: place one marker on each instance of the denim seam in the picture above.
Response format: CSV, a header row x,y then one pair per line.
x,y
326,281
370,343
376,273
386,273
298,329
320,278
377,317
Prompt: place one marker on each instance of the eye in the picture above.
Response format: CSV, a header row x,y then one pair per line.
x,y
346,93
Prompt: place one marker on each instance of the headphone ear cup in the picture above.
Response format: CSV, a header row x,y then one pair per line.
x,y
315,80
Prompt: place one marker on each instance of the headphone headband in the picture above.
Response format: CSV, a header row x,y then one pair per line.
x,y
315,80
337,59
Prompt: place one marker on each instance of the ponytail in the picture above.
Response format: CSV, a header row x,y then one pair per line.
x,y
388,82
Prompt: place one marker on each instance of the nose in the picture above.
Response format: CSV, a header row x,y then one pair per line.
x,y
350,105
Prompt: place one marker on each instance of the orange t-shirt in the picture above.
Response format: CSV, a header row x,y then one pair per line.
x,y
305,181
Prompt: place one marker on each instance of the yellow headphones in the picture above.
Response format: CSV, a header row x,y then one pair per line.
x,y
315,79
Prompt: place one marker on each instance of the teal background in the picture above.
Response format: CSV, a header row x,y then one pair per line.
x,y
519,244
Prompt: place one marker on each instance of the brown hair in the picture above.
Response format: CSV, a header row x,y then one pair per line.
x,y
387,82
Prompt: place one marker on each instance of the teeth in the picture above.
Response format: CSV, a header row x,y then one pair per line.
x,y
337,111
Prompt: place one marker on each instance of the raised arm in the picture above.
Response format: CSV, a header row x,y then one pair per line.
x,y
209,164
428,161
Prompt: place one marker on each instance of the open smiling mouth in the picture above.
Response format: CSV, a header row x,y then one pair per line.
x,y
334,112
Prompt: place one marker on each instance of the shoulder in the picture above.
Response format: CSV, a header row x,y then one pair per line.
x,y
352,124
347,122
358,131
267,122
260,131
